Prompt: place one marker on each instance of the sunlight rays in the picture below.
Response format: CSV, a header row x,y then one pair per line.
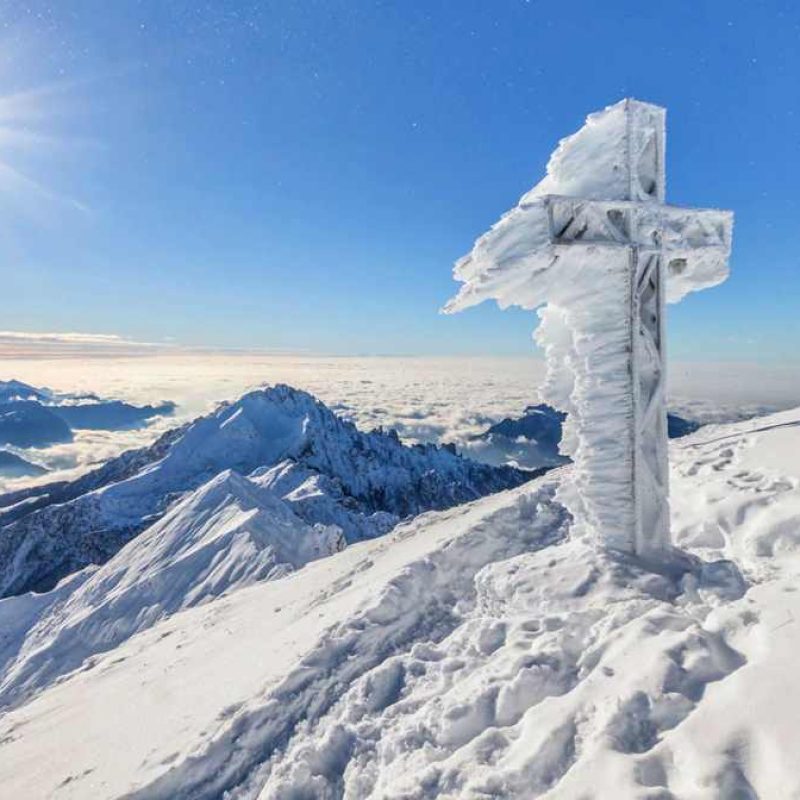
x,y
24,139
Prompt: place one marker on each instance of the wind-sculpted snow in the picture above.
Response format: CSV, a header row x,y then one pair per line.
x,y
600,357
515,262
50,534
584,333
507,701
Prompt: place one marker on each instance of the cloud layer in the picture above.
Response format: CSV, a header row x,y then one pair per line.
x,y
32,344
424,399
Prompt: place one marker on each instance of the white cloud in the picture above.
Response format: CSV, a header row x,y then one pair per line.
x,y
77,344
38,344
104,338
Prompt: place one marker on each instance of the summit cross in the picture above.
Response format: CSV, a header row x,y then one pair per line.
x,y
596,241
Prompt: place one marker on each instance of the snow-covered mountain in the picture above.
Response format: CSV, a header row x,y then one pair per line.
x,y
528,441
481,651
109,415
17,390
328,470
43,420
27,423
39,417
228,533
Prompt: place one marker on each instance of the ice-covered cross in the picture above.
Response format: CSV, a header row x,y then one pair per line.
x,y
595,245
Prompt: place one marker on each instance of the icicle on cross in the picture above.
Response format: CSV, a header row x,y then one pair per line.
x,y
595,242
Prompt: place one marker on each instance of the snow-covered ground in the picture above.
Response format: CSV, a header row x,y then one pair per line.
x,y
472,653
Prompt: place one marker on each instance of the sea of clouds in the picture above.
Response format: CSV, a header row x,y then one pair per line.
x,y
425,399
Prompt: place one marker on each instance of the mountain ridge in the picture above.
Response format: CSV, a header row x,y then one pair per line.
x,y
48,534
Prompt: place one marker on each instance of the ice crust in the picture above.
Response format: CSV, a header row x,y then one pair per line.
x,y
513,262
584,332
584,307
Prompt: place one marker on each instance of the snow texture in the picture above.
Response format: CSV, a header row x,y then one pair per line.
x,y
482,651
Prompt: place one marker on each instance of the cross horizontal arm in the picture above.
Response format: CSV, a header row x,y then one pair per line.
x,y
574,221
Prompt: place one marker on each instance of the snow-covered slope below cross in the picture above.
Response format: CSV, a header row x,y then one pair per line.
x,y
481,651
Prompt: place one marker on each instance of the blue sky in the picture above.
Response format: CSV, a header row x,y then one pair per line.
x,y
302,175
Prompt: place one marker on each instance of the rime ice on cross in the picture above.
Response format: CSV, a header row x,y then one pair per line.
x,y
595,244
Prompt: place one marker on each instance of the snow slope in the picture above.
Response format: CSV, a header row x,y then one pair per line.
x,y
483,651
50,533
228,533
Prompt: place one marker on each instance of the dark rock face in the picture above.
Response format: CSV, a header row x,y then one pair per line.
x,y
678,426
27,423
50,531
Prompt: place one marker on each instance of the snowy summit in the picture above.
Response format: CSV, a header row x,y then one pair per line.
x,y
272,528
